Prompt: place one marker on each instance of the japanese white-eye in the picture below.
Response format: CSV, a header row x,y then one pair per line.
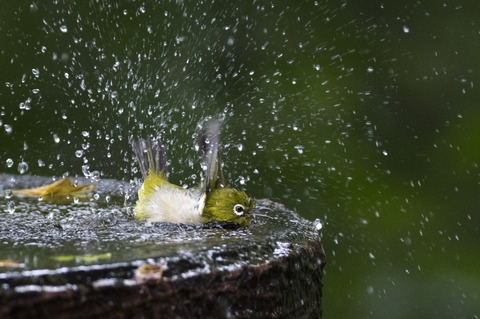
x,y
161,201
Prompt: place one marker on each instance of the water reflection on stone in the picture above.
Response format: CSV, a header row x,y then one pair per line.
x,y
49,235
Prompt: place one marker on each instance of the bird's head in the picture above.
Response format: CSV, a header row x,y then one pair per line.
x,y
228,205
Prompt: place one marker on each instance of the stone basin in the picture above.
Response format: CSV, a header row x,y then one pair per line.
x,y
78,259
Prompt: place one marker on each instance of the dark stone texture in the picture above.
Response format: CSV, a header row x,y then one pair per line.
x,y
272,268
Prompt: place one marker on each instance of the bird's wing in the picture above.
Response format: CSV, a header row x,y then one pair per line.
x,y
210,144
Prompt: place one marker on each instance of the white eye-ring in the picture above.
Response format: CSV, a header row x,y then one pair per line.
x,y
238,209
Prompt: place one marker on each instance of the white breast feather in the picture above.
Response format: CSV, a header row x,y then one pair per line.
x,y
171,204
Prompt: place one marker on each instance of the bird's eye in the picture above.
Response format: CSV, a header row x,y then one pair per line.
x,y
238,209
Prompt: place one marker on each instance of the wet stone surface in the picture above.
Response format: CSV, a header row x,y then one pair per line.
x,y
95,244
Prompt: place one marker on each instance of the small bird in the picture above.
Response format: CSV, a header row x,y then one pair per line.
x,y
161,201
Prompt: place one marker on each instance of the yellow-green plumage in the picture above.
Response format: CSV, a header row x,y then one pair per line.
x,y
161,201
224,200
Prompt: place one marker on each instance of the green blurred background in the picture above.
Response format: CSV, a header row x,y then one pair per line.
x,y
363,115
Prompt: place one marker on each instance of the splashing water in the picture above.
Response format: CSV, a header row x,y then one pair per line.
x,y
356,115
39,232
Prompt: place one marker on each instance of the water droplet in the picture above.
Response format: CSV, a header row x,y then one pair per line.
x,y
33,8
115,66
41,163
36,72
86,170
11,207
318,224
95,175
64,29
22,167
8,129
96,196
179,39
56,138
79,153
9,162
8,193
406,29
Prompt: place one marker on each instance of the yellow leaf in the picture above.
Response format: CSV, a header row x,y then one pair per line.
x,y
58,190
86,258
